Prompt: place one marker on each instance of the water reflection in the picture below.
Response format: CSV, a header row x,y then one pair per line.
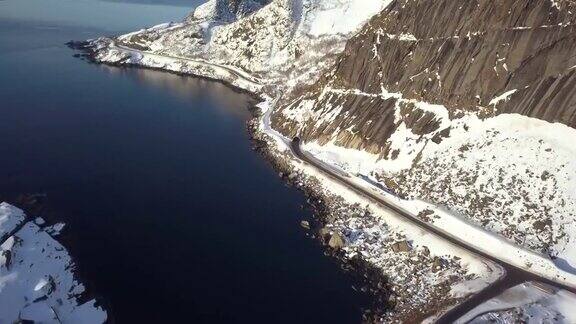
x,y
189,88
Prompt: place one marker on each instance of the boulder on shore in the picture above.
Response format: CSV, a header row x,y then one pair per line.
x,y
336,241
401,246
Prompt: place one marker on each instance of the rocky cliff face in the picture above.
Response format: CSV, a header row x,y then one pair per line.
x,y
225,10
462,55
287,43
457,103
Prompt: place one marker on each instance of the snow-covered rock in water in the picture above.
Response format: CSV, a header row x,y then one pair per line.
x,y
464,107
36,276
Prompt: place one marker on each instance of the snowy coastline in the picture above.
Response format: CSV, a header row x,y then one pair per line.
x,y
37,282
442,274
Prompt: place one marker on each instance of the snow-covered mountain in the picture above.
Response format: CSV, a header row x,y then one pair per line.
x,y
225,10
465,106
473,110
285,42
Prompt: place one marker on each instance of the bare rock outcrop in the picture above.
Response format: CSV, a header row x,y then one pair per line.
x,y
485,57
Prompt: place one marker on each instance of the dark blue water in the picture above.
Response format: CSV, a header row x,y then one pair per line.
x,y
170,214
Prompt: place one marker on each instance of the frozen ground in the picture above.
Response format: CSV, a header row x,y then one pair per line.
x,y
36,275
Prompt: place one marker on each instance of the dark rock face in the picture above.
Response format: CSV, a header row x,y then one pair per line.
x,y
462,55
242,7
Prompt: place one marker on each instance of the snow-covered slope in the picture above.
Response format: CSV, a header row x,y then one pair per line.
x,y
284,42
225,11
443,101
36,279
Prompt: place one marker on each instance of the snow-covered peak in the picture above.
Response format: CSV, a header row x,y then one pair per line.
x,y
225,10
288,40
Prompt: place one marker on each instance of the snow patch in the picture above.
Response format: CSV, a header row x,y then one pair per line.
x,y
503,97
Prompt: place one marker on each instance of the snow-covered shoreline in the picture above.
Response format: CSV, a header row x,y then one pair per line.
x,y
538,302
37,280
482,273
373,238
461,228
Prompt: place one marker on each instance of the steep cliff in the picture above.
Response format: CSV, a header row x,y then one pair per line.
x,y
462,55
468,104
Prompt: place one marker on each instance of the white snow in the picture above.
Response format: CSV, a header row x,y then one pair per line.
x,y
453,224
233,75
342,16
373,242
534,302
291,45
288,43
403,37
10,219
511,142
36,279
503,97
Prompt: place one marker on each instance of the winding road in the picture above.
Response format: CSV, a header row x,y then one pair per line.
x,y
513,275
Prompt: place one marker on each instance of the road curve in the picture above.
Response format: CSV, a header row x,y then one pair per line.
x,y
513,275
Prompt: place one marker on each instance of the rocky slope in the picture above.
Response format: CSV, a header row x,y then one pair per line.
x,y
465,61
466,104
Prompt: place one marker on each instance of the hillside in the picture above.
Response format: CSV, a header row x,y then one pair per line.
x,y
473,110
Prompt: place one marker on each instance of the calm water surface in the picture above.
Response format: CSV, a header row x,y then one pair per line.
x,y
170,215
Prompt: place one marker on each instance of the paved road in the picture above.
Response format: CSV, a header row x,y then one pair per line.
x,y
513,275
